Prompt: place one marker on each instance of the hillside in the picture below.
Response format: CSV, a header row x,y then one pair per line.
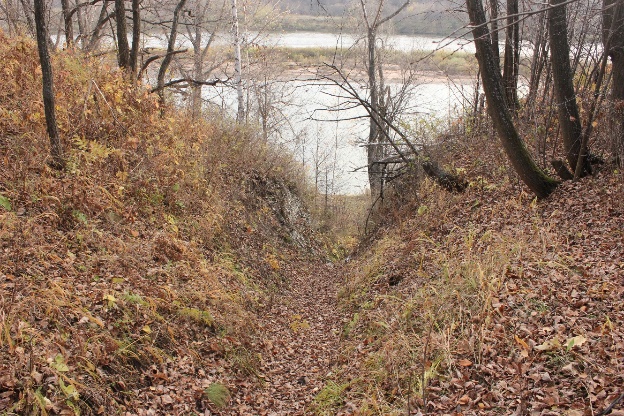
x,y
487,302
179,267
136,278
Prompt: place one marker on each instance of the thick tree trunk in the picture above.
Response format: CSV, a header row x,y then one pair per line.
x,y
520,158
613,35
123,49
512,56
56,149
494,31
569,119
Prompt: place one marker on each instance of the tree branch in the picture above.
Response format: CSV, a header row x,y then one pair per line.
x,y
212,82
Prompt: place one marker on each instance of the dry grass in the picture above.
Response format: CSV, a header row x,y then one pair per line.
x,y
452,286
130,260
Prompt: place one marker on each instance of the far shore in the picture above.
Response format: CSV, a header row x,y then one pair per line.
x,y
392,74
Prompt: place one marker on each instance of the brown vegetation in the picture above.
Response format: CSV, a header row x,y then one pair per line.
x,y
146,260
486,302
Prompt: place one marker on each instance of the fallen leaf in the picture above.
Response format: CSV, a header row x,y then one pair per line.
x,y
463,400
549,345
524,350
464,362
576,341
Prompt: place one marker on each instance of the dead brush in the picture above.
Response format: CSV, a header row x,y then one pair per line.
x,y
100,262
432,323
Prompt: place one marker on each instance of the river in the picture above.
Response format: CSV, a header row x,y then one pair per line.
x,y
329,144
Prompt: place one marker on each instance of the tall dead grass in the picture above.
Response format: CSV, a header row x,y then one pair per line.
x,y
132,257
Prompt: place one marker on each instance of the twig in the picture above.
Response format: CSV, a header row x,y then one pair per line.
x,y
608,410
187,80
112,110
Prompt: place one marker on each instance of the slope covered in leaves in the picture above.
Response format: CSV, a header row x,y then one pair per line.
x,y
488,302
132,280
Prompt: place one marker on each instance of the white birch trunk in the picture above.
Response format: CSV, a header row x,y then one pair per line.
x,y
238,79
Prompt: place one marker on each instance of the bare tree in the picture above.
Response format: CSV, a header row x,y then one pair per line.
x,y
511,63
136,38
540,183
539,59
569,118
206,21
375,148
123,49
238,80
68,23
82,24
613,40
56,148
96,33
494,31
164,66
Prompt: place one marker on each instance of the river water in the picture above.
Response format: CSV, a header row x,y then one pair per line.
x,y
303,116
328,40
330,144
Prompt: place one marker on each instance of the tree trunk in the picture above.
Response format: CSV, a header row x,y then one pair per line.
x,y
238,76
164,66
196,36
374,148
56,149
537,63
136,38
613,34
541,184
494,31
82,25
11,17
198,70
512,56
123,49
96,34
448,181
569,119
67,19
198,61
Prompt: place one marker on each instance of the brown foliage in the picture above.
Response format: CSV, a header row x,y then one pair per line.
x,y
127,274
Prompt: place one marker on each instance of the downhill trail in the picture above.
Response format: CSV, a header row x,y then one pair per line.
x,y
301,336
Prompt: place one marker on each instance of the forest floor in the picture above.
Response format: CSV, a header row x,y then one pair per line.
x,y
301,336
294,353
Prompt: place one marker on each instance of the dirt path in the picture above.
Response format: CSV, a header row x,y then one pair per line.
x,y
301,331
